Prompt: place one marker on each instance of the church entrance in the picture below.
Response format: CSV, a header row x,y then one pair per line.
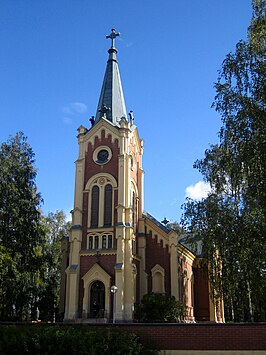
x,y
97,300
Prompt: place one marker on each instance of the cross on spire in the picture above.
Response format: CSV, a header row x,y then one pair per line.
x,y
113,35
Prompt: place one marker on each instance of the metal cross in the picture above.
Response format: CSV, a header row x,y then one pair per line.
x,y
112,35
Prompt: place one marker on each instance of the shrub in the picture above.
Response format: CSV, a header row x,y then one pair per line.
x,y
160,308
57,340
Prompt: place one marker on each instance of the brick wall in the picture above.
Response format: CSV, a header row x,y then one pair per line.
x,y
91,168
157,254
199,336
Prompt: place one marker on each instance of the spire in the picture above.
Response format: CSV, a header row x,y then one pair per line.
x,y
111,104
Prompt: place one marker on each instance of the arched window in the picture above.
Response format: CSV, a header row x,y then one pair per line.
x,y
99,241
96,242
95,206
104,242
108,205
133,209
102,191
110,241
90,242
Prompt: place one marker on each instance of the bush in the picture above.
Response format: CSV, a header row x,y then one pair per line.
x,y
160,308
57,340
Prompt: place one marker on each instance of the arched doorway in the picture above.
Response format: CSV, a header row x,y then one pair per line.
x,y
97,299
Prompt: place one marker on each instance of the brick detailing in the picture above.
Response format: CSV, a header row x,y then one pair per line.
x,y
107,262
198,336
157,254
91,168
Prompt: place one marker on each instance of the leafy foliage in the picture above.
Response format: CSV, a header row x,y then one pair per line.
x,y
21,233
55,227
160,308
175,226
232,219
68,340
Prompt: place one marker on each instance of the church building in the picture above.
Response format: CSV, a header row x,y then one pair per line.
x,y
114,245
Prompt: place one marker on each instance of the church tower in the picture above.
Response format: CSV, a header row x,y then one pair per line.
x,y
113,243
108,205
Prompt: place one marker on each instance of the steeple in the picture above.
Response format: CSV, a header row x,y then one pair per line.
x,y
111,103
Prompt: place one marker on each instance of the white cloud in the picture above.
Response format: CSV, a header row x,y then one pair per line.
x,y
78,107
198,191
75,108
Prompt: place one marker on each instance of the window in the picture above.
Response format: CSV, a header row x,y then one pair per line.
x,y
102,156
104,242
133,208
108,205
95,206
110,241
100,241
101,191
96,242
90,242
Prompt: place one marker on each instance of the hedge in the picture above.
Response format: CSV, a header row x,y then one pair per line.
x,y
40,339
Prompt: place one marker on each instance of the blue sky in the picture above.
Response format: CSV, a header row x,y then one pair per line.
x,y
52,62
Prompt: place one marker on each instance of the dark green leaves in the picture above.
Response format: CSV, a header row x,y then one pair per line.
x,y
232,219
21,233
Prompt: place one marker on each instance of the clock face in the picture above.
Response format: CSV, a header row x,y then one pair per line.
x,y
102,156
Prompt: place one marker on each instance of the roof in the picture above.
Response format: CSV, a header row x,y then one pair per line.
x,y
158,224
111,103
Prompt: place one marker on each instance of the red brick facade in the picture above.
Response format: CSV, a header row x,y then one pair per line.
x,y
202,336
201,294
91,168
156,253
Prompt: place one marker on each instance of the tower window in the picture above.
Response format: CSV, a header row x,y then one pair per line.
x,y
110,241
102,156
100,241
104,242
108,205
90,242
95,206
133,209
96,242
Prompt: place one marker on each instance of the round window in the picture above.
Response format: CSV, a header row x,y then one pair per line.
x,y
102,156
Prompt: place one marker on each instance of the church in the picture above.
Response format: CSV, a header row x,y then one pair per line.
x,y
116,252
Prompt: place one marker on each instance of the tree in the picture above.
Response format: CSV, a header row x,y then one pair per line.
x,y
232,219
175,226
56,227
160,308
21,233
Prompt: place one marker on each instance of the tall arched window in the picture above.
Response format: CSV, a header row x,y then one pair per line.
x,y
108,206
94,206
133,209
